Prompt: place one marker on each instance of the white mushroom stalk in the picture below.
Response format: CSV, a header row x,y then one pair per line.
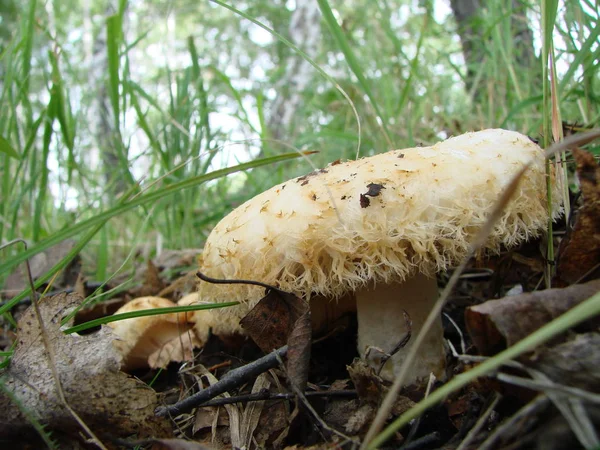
x,y
378,230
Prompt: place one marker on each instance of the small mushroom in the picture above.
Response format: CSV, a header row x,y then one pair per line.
x,y
324,241
153,341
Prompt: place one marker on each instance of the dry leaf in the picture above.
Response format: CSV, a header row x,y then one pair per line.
x,y
368,386
271,321
253,410
579,252
573,363
173,259
299,345
496,324
206,417
88,366
281,318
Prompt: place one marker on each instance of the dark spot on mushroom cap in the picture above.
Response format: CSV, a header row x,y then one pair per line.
x,y
313,197
312,174
401,155
304,183
374,189
364,201
336,162
343,197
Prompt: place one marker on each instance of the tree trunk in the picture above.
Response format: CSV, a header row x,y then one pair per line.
x,y
470,19
100,115
305,32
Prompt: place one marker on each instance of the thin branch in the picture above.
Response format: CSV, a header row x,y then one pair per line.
x,y
266,395
268,287
231,380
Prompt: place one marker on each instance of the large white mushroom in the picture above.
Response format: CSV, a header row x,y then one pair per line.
x,y
377,230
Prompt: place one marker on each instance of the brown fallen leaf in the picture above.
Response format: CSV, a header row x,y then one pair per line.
x,y
496,324
572,363
281,318
152,283
579,251
108,401
271,321
299,346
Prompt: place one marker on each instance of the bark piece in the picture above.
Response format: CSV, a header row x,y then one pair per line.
x,y
573,363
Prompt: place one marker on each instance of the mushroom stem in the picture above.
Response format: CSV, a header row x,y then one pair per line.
x,y
382,325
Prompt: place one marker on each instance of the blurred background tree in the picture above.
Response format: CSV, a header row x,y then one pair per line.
x,y
103,101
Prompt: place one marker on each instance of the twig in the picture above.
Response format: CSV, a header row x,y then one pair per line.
x,y
268,287
549,386
229,381
259,396
427,441
50,352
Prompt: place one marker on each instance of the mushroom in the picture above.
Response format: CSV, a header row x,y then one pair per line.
x,y
153,341
376,231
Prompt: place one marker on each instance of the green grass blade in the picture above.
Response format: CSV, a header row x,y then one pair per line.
x,y
8,149
113,42
43,177
147,312
352,60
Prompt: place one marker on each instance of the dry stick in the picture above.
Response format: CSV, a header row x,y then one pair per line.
x,y
427,441
480,238
266,395
229,381
49,350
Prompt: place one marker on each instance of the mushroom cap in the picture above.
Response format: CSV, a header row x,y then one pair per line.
x,y
378,219
207,319
142,337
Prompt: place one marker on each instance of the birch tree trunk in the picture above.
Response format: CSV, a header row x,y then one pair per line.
x,y
305,32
